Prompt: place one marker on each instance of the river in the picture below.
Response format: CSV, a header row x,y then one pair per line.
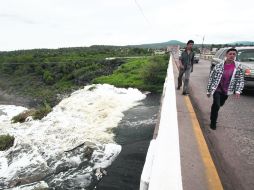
x,y
74,145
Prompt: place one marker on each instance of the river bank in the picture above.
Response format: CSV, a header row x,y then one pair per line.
x,y
12,99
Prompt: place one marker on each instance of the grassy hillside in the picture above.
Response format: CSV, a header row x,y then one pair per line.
x,y
142,73
45,75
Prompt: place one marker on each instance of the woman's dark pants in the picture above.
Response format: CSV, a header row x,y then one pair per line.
x,y
218,101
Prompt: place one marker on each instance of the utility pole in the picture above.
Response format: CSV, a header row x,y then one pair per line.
x,y
202,46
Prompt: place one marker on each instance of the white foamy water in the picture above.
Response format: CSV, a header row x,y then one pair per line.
x,y
9,111
88,115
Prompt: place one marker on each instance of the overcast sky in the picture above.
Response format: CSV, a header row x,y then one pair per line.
x,y
27,24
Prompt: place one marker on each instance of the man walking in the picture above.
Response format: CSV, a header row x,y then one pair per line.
x,y
225,79
186,67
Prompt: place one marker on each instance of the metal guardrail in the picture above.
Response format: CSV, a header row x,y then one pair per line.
x,y
162,169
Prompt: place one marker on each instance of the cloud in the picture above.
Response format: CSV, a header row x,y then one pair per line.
x,y
16,18
56,23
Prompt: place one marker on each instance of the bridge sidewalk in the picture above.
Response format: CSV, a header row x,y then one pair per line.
x,y
197,167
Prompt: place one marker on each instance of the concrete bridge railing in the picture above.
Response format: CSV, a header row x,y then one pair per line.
x,y
162,169
206,56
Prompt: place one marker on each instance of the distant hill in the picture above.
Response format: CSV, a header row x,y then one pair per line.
x,y
245,43
159,45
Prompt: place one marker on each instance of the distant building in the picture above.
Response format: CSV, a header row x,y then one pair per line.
x,y
206,51
214,50
174,49
159,52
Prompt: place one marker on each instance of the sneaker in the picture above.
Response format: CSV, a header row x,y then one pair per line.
x,y
213,126
184,93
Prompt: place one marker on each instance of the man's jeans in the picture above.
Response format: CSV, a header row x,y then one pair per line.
x,y
218,101
187,72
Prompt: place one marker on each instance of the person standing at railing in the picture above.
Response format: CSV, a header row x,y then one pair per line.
x,y
225,79
186,61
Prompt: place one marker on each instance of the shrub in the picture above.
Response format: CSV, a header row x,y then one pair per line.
x,y
6,141
42,112
155,71
22,116
36,114
48,77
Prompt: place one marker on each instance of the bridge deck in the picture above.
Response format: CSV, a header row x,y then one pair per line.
x,y
197,168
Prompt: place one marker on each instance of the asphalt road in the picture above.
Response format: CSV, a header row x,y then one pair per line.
x,y
232,144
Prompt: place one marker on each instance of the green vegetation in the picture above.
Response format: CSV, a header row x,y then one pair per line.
x,y
36,114
6,141
22,116
43,74
42,111
142,73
